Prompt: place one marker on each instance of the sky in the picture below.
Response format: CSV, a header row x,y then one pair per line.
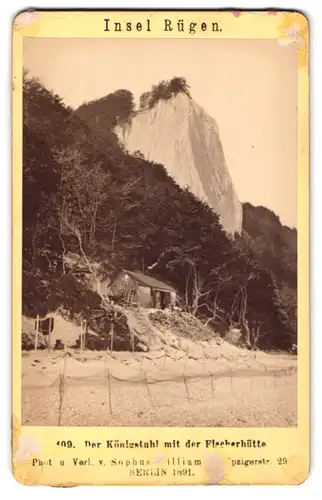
x,y
248,86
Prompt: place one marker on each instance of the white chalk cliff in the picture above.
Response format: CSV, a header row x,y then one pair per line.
x,y
180,135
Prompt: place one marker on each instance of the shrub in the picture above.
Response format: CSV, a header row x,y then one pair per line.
x,y
163,91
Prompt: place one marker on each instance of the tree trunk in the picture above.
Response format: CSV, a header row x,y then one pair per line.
x,y
244,321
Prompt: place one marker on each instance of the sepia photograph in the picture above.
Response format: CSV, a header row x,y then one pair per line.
x,y
159,233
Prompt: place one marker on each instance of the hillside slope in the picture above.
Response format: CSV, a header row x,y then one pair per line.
x,y
274,245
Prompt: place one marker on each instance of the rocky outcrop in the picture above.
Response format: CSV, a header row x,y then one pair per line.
x,y
179,134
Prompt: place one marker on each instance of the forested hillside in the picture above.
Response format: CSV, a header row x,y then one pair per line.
x,y
171,129
275,247
83,195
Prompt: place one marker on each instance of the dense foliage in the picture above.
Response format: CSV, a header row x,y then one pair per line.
x,y
84,195
164,90
275,247
103,114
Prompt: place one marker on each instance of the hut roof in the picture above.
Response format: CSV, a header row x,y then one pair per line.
x,y
144,280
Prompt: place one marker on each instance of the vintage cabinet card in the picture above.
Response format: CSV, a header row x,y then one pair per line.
x,y
161,247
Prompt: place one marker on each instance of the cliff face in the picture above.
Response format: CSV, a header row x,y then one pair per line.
x,y
179,134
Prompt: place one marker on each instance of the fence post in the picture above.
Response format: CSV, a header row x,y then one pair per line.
x,y
185,364
85,331
149,341
265,368
51,320
81,336
147,386
184,378
212,384
185,383
109,391
61,397
62,383
37,330
112,336
132,340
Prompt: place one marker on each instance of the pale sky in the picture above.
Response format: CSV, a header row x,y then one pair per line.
x,y
248,86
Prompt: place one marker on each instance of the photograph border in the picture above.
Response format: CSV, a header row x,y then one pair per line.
x,y
239,24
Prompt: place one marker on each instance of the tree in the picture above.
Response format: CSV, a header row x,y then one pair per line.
x,y
275,246
144,100
89,210
41,247
165,90
214,309
103,114
83,192
178,84
123,103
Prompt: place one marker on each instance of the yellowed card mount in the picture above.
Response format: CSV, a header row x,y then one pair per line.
x,y
160,247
